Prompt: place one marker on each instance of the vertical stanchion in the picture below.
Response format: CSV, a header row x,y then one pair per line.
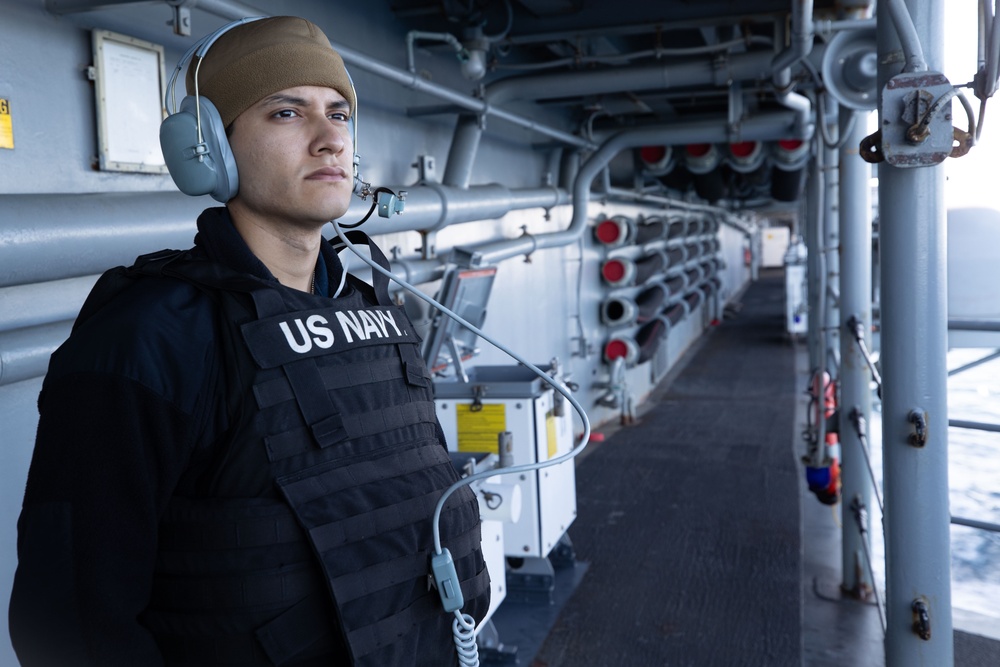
x,y
831,240
914,401
812,215
855,378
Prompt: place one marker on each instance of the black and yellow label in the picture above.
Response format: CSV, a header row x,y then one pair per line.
x,y
550,434
478,430
6,125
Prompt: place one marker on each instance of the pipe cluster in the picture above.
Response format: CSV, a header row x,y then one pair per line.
x,y
740,170
658,270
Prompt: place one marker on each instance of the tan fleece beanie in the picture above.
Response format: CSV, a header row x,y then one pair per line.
x,y
257,59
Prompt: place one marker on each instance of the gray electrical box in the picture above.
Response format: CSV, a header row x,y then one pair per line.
x,y
514,399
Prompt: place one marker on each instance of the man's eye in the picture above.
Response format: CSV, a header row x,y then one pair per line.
x,y
339,115
284,113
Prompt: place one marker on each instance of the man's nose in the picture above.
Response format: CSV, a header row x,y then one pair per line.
x,y
329,136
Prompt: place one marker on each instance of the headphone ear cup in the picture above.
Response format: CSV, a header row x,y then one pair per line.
x,y
208,168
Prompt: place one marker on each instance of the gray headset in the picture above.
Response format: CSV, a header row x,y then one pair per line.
x,y
193,139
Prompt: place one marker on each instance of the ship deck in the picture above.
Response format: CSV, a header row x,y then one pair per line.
x,y
696,541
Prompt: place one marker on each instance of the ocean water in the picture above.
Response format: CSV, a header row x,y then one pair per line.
x,y
974,481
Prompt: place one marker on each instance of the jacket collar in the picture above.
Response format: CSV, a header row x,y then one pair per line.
x,y
218,238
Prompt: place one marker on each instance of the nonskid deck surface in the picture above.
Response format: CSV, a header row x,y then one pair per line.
x,y
689,519
688,538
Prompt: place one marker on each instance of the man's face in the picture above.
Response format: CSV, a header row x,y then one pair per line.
x,y
294,154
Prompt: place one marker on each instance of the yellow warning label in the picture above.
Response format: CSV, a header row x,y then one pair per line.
x,y
550,433
478,429
6,126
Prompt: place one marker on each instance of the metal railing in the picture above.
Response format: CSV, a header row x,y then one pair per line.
x,y
860,513
857,329
861,427
857,419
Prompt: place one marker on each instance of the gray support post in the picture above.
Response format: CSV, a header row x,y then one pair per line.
x,y
831,242
855,378
811,232
914,402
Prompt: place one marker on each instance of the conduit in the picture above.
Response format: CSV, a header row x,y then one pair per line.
x,y
43,238
766,127
620,310
803,33
652,229
37,244
720,72
642,346
432,207
24,353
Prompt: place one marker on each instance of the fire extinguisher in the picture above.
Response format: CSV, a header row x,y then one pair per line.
x,y
824,481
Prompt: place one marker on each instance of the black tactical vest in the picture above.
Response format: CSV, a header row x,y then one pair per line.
x,y
335,405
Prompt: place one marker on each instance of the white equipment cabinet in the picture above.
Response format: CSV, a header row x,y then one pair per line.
x,y
796,288
512,398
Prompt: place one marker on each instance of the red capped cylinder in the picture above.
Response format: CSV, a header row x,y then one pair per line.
x,y
657,160
702,161
615,231
618,271
788,176
621,348
701,158
746,156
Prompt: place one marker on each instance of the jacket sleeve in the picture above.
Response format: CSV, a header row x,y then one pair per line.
x,y
108,454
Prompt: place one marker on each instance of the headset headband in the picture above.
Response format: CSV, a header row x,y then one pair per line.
x,y
201,47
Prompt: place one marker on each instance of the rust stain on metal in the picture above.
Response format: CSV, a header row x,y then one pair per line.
x,y
916,81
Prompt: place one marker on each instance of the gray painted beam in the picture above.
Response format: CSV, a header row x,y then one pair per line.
x,y
855,378
914,347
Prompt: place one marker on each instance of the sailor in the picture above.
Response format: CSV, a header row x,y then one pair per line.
x,y
237,458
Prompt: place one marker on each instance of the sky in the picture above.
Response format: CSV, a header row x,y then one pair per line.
x,y
970,180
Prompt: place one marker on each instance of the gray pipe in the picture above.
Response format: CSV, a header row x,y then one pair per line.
x,y
359,60
803,32
462,153
415,272
913,245
855,378
225,8
414,35
762,128
43,303
749,229
800,44
717,71
907,34
432,207
24,353
66,236
720,72
222,8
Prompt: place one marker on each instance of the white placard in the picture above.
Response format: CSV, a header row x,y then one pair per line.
x,y
130,79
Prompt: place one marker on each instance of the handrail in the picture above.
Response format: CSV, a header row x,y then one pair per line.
x,y
975,523
973,325
860,426
973,364
861,519
978,426
857,329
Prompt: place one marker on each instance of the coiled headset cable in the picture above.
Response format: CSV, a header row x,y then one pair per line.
x,y
442,565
